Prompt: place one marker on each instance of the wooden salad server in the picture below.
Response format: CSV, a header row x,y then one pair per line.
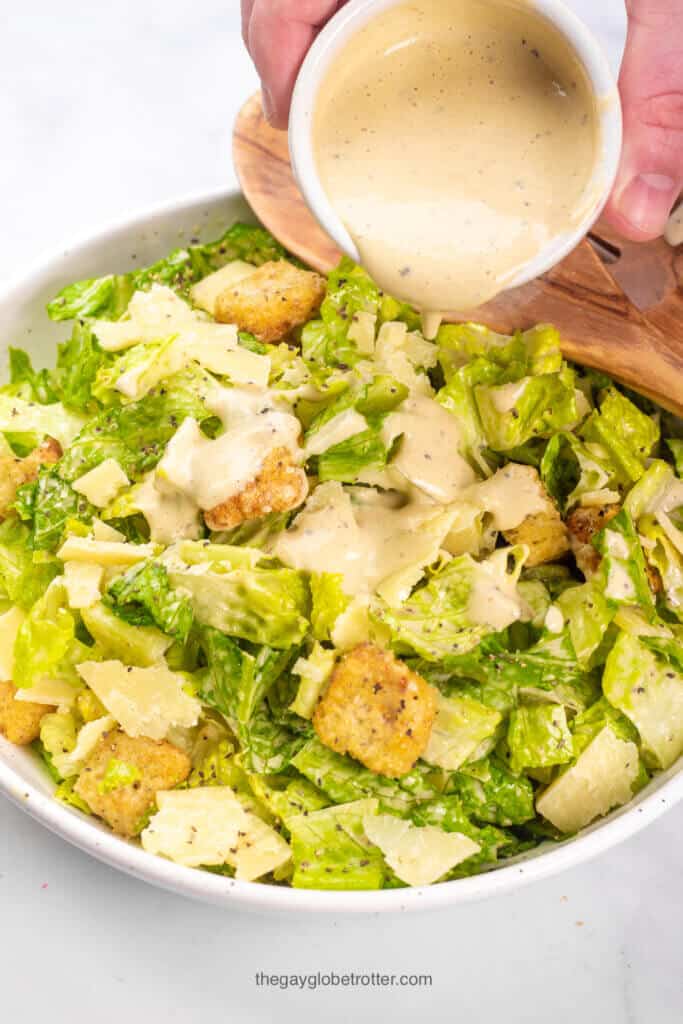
x,y
618,305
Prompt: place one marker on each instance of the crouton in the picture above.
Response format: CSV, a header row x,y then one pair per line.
x,y
14,471
376,710
281,485
272,301
583,524
544,533
160,766
20,719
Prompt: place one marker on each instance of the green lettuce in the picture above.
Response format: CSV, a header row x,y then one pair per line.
x,y
623,574
435,621
344,779
79,361
627,434
265,606
350,290
589,615
676,448
143,596
330,849
569,469
648,689
491,793
24,576
47,646
134,645
328,601
107,297
49,505
538,737
34,421
27,383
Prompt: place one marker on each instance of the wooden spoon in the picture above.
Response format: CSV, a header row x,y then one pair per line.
x,y
617,305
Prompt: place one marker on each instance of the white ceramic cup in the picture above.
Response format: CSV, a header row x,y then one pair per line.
x,y
357,13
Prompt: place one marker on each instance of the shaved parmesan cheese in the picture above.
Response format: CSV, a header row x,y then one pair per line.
x,y
418,855
210,825
56,693
10,623
103,531
88,738
601,779
103,552
103,483
205,293
145,701
82,582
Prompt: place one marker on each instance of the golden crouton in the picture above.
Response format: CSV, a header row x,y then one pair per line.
x,y
583,524
20,719
280,486
544,533
272,301
14,472
160,764
377,710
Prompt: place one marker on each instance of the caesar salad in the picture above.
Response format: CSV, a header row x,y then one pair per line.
x,y
291,594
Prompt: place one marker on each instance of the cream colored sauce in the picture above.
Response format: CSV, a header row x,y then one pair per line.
x,y
511,495
211,471
365,541
455,138
494,599
429,452
170,514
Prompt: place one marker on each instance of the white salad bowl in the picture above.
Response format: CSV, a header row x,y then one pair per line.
x,y
353,16
23,780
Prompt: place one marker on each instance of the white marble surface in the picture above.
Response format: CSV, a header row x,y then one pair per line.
x,y
105,111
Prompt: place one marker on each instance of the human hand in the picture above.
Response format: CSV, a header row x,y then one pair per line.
x,y
651,85
278,34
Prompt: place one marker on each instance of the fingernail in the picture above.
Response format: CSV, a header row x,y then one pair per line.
x,y
268,103
647,201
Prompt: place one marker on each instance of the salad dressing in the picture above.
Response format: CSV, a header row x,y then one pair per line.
x,y
455,138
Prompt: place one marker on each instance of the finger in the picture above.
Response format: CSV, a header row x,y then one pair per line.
x,y
651,85
278,45
247,8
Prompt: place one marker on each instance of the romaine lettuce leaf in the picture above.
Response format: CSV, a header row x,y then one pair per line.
x,y
265,606
27,383
36,421
444,618
46,646
628,435
649,691
24,577
49,505
623,575
570,469
331,851
344,779
538,737
108,297
491,793
328,601
143,596
79,361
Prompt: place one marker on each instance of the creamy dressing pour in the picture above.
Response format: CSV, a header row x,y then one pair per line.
x,y
455,138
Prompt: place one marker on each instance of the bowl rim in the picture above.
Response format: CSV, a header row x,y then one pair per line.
x,y
662,793
357,13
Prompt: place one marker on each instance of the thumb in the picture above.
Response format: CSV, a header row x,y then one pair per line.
x,y
651,85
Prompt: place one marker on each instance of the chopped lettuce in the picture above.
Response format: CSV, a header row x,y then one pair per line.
x,y
265,606
491,793
144,597
24,574
108,297
46,646
627,434
331,850
446,617
649,691
538,737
